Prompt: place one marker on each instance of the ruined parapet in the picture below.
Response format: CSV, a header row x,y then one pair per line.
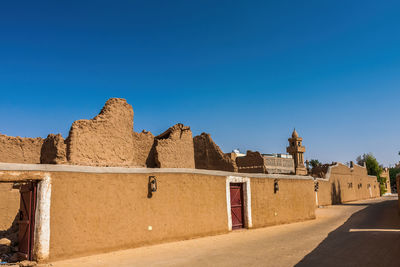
x,y
209,156
320,171
53,150
143,149
20,150
105,140
253,162
174,148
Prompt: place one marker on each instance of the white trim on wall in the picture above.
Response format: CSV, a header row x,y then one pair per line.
x,y
247,200
41,247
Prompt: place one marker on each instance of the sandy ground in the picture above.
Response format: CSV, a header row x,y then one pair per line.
x,y
333,239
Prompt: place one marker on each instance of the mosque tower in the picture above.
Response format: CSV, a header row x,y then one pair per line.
x,y
296,149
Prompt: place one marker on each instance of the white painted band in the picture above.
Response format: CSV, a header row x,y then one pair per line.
x,y
41,248
374,230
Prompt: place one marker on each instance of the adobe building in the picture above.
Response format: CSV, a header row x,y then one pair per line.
x,y
255,162
337,183
385,175
62,198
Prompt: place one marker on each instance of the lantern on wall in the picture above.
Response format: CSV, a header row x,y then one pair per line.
x,y
151,186
276,186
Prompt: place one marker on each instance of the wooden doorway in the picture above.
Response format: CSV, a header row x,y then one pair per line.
x,y
237,210
26,221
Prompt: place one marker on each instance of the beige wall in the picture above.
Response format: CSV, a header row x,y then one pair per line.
x,y
9,205
92,212
101,212
293,202
342,185
98,209
324,193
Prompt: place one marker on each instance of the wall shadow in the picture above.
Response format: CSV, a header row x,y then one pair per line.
x,y
336,194
372,248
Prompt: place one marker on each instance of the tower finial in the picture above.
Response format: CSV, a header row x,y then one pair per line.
x,y
295,134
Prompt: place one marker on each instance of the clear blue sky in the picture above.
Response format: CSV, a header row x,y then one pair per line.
x,y
246,72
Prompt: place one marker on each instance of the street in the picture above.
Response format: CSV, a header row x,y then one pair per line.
x,y
362,233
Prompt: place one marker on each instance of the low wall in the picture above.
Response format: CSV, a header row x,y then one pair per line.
x,y
293,202
99,209
344,184
93,213
9,205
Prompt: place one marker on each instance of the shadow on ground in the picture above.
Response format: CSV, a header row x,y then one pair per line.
x,y
372,248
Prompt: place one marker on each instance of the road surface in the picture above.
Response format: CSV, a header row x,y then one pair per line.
x,y
364,233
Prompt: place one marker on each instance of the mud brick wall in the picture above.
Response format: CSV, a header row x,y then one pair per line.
x,y
253,162
143,149
105,140
20,150
53,150
209,156
174,148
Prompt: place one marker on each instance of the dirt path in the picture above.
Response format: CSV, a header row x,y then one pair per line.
x,y
304,243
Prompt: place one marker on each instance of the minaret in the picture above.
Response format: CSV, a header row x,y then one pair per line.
x,y
296,149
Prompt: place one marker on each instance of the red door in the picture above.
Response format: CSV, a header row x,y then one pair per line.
x,y
26,220
237,206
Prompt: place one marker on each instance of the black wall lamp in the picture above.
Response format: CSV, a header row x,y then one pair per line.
x,y
276,186
152,186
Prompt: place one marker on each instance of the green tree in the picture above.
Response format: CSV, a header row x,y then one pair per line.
x,y
393,173
314,163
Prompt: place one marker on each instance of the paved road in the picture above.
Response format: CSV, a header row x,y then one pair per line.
x,y
342,235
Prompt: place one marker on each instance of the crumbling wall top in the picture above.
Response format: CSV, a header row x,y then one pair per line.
x,y
106,139
208,155
174,148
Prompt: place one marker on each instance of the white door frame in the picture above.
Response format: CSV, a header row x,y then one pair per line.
x,y
246,199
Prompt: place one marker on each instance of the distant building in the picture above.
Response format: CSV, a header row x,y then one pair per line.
x,y
274,163
238,153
